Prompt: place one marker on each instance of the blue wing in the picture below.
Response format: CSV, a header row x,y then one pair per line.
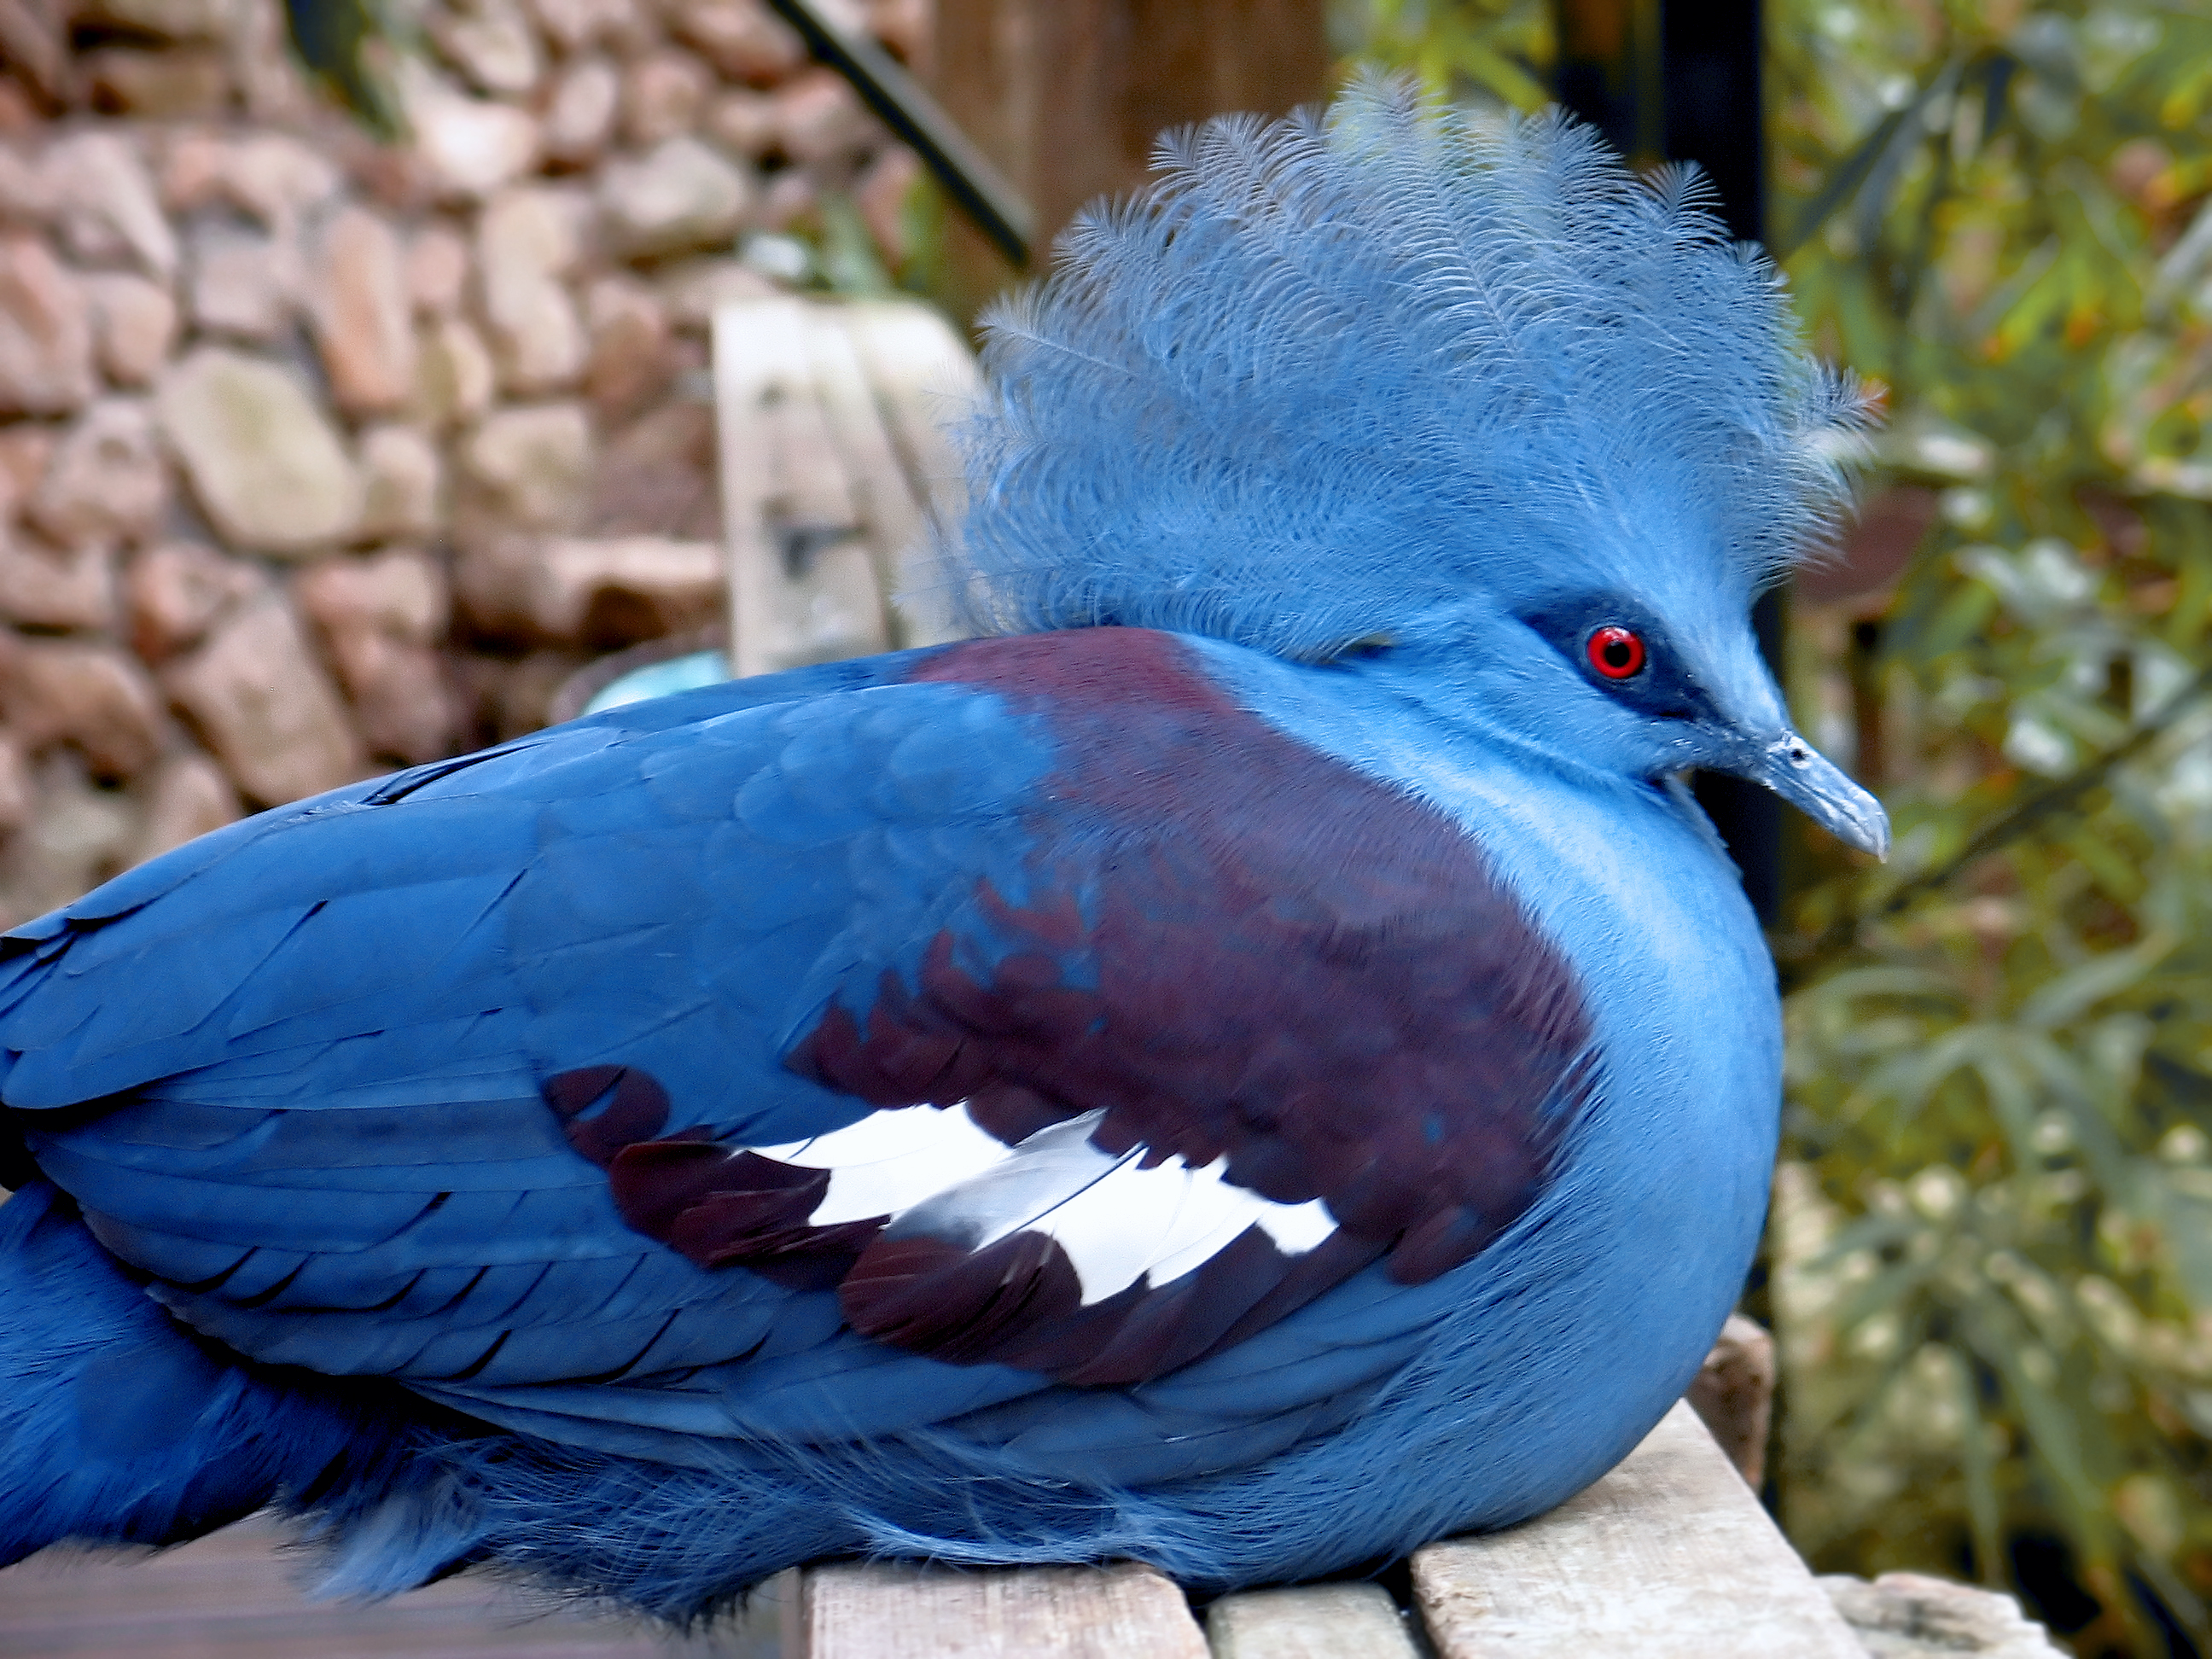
x,y
294,1070
820,1056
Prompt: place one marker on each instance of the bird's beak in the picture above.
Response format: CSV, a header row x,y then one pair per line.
x,y
1795,770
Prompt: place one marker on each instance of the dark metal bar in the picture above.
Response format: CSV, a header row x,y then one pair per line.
x,y
982,192
1714,115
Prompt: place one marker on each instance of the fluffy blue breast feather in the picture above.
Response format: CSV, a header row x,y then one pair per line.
x,y
1331,372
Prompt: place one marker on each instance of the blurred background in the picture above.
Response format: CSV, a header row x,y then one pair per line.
x,y
355,400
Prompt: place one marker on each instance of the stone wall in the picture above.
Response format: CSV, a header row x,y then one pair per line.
x,y
318,457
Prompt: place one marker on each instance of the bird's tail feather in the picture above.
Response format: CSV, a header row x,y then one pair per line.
x,y
119,1426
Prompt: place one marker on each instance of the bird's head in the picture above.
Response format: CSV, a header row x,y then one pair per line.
x,y
1462,405
1640,666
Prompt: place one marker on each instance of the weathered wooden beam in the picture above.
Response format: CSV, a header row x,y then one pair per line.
x,y
898,1610
1668,1557
1733,1393
925,379
1315,1621
831,473
1067,97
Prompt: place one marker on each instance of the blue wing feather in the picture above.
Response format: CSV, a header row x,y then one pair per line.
x,y
333,1107
329,1141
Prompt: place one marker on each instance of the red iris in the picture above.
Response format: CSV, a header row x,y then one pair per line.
x,y
1616,652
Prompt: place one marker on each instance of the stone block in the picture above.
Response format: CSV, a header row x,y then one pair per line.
x,y
381,620
491,42
1909,1615
188,176
580,114
75,836
35,36
275,178
630,361
105,201
94,698
905,26
682,196
363,314
15,784
26,451
659,477
820,119
532,466
743,123
608,593
266,706
175,84
263,461
578,25
403,484
279,177
693,289
400,594
471,147
172,594
505,699
272,83
187,797
437,270
46,331
664,95
134,325
241,282
454,376
741,37
26,197
108,481
46,587
529,236
165,20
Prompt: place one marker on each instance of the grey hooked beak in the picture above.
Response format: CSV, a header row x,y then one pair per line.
x,y
1795,770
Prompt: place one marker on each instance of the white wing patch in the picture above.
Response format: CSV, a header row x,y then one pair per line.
x,y
891,1161
936,1172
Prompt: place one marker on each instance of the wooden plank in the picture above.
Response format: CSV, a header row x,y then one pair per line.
x,y
891,520
898,1610
757,366
235,1595
1668,1557
925,380
802,588
1068,96
1733,1393
1314,1621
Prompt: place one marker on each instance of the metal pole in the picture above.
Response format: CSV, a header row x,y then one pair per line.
x,y
982,192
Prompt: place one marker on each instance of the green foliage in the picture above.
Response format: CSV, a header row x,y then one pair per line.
x,y
1993,1230
1493,50
348,48
1994,1283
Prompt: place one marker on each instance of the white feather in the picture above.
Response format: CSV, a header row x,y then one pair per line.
x,y
936,1171
891,1161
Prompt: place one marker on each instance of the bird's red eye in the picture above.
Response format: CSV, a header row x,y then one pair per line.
x,y
1616,652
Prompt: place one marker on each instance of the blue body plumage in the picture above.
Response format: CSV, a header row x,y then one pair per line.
x,y
1252,1064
